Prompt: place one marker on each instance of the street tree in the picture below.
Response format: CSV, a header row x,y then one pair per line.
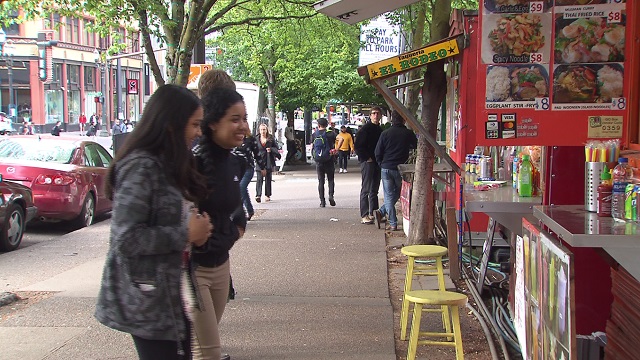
x,y
300,63
427,21
177,24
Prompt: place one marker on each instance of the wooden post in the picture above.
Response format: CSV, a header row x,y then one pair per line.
x,y
452,233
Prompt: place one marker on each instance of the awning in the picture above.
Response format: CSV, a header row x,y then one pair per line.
x,y
354,11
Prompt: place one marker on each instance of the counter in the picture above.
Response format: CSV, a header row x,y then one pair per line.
x,y
580,228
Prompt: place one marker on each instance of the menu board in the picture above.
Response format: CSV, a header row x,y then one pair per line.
x,y
541,61
544,318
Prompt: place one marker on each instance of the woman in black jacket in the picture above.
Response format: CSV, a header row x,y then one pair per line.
x,y
223,128
265,162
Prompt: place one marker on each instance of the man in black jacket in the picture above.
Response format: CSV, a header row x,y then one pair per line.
x,y
365,145
392,150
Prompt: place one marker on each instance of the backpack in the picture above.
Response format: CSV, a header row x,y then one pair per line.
x,y
321,147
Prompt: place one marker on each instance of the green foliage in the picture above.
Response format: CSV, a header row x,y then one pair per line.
x,y
304,62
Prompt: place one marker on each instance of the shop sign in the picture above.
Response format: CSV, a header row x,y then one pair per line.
x,y
605,127
413,59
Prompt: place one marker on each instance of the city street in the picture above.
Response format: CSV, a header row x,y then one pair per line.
x,y
311,283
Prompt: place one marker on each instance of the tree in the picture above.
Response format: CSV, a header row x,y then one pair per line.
x,y
178,24
300,62
434,90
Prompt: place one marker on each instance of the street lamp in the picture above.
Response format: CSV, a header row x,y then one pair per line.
x,y
7,55
103,99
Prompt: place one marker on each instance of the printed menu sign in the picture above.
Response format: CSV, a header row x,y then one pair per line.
x,y
562,55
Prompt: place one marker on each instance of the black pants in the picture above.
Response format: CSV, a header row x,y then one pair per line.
x,y
343,157
291,150
162,349
267,183
326,168
370,186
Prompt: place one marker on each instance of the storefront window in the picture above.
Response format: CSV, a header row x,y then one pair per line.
x,y
53,106
73,74
89,76
73,101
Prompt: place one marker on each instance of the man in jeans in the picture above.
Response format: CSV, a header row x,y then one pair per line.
x,y
392,150
365,145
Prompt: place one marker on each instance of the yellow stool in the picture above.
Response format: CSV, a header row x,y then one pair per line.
x,y
451,300
430,252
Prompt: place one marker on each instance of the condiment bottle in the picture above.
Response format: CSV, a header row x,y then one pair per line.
x,y
605,190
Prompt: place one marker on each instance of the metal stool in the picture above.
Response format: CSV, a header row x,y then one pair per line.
x,y
449,299
414,252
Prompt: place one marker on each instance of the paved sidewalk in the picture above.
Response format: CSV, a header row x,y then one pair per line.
x,y
311,283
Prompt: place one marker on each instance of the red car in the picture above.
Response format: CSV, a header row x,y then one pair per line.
x,y
66,175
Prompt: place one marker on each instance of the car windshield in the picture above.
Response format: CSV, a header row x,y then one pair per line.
x,y
38,150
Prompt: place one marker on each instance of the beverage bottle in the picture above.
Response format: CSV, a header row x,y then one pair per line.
x,y
514,172
620,180
605,190
525,177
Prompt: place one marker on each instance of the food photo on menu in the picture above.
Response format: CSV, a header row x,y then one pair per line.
x,y
512,38
517,82
588,40
587,83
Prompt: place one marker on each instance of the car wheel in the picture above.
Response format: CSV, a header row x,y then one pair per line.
x,y
87,213
13,228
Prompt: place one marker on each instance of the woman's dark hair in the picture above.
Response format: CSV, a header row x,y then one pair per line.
x,y
161,131
216,102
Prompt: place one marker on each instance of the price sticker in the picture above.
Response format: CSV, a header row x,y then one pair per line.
x,y
542,103
535,58
618,103
536,7
614,17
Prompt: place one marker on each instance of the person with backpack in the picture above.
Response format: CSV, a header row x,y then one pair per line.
x,y
323,150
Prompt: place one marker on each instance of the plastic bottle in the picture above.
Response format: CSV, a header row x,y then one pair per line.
x,y
525,177
514,172
605,190
620,180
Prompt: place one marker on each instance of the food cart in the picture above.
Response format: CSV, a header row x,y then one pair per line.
x,y
554,75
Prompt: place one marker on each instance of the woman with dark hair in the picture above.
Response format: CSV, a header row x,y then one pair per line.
x,y
266,162
224,128
153,184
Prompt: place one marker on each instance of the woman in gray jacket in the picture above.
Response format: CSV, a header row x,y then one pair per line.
x,y
153,183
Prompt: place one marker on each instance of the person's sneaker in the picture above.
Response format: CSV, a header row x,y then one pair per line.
x,y
258,199
322,203
367,220
345,171
391,228
340,171
377,215
332,202
225,357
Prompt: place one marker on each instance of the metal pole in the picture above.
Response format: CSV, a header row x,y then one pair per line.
x,y
103,82
10,71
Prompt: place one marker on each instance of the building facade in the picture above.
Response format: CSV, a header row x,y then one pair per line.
x,y
79,78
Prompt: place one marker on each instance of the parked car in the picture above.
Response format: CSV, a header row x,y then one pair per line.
x,y
16,210
66,175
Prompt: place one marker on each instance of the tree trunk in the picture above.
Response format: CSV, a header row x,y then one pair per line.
x,y
434,90
413,91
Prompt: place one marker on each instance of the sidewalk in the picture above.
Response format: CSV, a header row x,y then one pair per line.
x,y
311,283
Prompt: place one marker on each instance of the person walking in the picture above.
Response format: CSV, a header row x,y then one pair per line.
x,y
153,184
223,128
365,145
344,144
117,128
249,152
265,162
392,150
82,120
323,150
56,130
289,134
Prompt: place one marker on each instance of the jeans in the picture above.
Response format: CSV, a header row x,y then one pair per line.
x,y
163,349
343,157
244,191
322,169
392,184
370,186
267,183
